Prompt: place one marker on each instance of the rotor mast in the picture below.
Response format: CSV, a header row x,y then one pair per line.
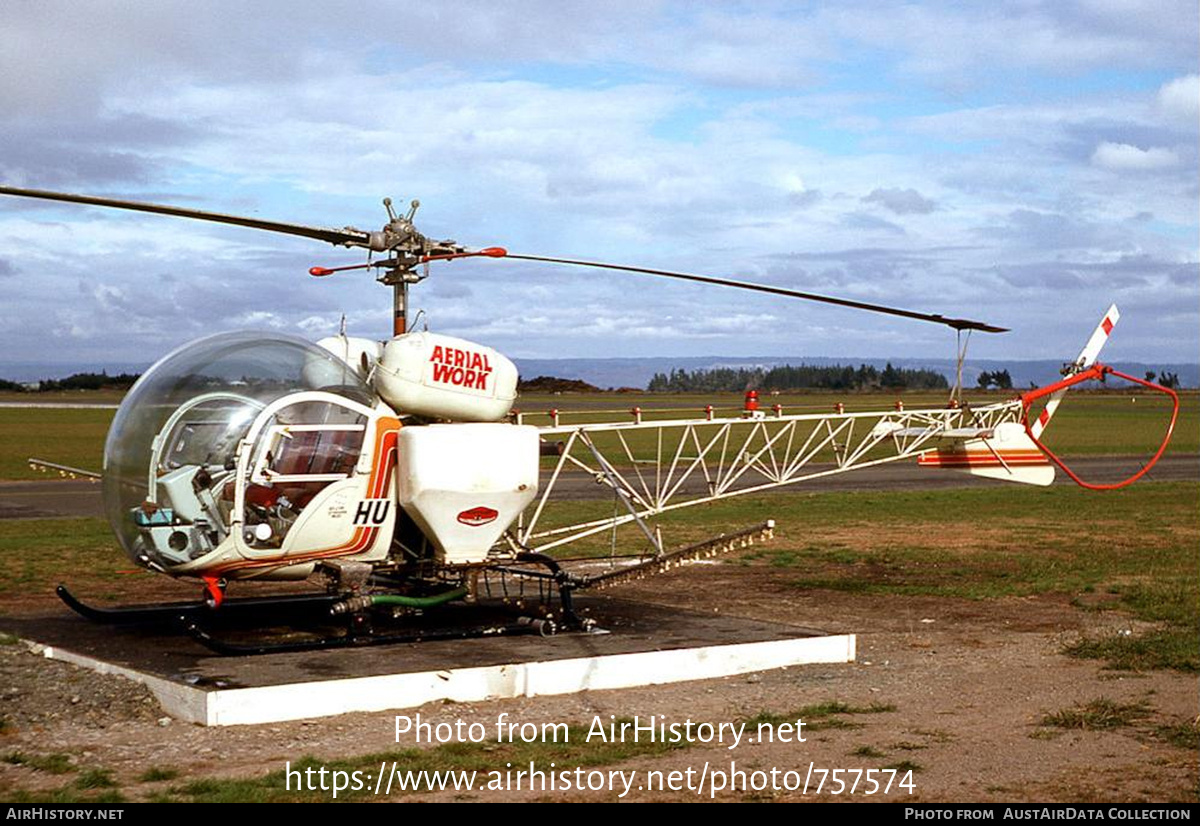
x,y
400,308
398,276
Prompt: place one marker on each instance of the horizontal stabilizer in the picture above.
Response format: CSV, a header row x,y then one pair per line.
x,y
1007,454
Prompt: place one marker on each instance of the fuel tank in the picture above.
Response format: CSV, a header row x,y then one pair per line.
x,y
442,377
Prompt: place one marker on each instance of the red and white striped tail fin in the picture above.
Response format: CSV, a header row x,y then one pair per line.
x,y
1086,358
1007,454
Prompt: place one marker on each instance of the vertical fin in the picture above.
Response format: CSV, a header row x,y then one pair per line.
x,y
1086,358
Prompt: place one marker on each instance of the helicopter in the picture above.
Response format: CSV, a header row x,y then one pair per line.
x,y
398,474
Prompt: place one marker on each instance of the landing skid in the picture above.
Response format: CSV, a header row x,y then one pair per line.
x,y
312,623
245,609
524,625
313,611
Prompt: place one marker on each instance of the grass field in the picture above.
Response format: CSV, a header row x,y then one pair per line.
x,y
1087,423
68,437
1134,550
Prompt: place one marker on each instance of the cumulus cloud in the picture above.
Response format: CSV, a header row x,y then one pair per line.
x,y
1122,157
1180,98
901,201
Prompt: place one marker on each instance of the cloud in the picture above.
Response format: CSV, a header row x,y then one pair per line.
x,y
1038,230
870,223
960,45
804,198
901,201
1122,157
1180,99
703,137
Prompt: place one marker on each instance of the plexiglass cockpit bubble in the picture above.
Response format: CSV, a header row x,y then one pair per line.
x,y
171,450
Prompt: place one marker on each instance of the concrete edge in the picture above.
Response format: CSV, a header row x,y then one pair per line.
x,y
327,698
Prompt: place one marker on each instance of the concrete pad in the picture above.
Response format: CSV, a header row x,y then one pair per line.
x,y
647,645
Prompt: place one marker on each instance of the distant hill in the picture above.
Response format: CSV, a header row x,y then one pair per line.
x,y
550,384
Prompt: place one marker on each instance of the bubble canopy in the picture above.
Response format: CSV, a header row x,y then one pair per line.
x,y
192,408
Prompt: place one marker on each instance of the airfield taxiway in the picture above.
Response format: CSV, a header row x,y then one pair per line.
x,y
54,498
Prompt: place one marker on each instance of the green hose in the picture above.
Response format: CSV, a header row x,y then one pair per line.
x,y
419,602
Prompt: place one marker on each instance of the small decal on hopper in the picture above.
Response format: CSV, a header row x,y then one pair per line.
x,y
478,516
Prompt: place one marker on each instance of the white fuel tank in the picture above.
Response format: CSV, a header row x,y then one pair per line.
x,y
442,377
464,484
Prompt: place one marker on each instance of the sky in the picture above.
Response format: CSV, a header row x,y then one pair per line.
x,y
1024,164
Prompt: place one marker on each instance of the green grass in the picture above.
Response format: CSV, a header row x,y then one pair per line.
x,y
1098,714
1173,648
867,751
55,763
157,775
1138,544
68,437
1113,423
95,779
1181,735
35,554
818,716
68,794
985,543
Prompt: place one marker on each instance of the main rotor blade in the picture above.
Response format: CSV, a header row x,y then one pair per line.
x,y
956,323
348,237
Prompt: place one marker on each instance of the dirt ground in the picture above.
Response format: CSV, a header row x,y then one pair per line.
x,y
966,684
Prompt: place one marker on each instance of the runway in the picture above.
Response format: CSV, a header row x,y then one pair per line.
x,y
55,498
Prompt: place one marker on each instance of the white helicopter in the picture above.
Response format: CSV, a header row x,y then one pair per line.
x,y
398,474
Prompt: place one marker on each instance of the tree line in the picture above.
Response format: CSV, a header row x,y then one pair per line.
x,y
999,379
803,377
78,381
